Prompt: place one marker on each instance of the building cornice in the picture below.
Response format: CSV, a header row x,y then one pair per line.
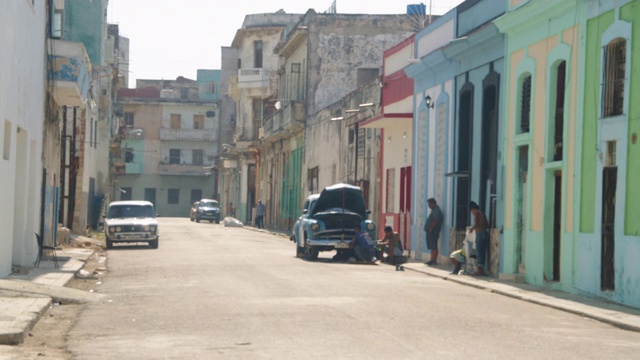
x,y
534,12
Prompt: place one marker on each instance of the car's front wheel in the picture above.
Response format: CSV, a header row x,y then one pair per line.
x,y
153,244
310,252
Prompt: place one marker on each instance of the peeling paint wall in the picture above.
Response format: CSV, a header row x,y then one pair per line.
x,y
341,44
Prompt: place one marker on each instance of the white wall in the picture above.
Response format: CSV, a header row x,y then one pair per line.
x,y
22,80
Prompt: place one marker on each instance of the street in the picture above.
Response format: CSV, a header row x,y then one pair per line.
x,y
215,292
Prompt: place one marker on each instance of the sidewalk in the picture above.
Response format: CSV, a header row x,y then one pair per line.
x,y
620,316
599,309
26,295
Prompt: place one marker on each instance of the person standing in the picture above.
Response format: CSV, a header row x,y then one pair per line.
x,y
480,227
260,212
432,227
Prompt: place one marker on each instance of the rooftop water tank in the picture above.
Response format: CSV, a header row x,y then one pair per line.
x,y
417,9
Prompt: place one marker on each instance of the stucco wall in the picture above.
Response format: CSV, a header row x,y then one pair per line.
x,y
341,44
22,79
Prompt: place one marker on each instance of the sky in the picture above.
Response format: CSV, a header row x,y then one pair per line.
x,y
171,38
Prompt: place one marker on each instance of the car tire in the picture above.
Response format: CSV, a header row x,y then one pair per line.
x,y
299,251
310,252
109,244
153,244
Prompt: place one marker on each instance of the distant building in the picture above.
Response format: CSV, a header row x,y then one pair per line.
x,y
168,142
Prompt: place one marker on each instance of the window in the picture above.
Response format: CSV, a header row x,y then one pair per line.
x,y
257,54
525,105
128,155
211,87
150,195
615,54
6,144
196,195
176,121
559,111
126,193
197,157
312,178
366,74
57,23
128,119
95,134
174,196
174,156
198,122
391,190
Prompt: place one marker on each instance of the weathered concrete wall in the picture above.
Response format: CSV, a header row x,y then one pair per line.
x,y
341,44
85,22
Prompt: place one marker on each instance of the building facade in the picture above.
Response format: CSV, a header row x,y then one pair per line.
x,y
169,142
324,58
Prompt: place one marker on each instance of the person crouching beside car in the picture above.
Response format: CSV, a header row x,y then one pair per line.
x,y
363,246
393,247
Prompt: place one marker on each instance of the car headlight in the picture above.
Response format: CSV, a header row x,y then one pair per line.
x,y
118,229
146,228
152,228
370,226
315,227
112,229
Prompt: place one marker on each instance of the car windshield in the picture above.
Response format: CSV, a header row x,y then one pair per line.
x,y
208,204
131,211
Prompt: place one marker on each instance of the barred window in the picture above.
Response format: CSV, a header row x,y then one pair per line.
x,y
525,105
614,75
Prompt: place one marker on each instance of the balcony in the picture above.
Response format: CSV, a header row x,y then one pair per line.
x,y
182,169
253,78
188,134
291,115
133,168
69,67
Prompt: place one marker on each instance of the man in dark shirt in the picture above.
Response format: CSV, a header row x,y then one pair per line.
x,y
432,228
363,245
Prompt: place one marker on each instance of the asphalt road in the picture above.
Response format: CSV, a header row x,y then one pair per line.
x,y
212,292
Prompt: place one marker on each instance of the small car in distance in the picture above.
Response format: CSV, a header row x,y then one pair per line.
x,y
193,211
131,222
207,209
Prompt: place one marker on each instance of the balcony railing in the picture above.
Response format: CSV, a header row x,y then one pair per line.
x,y
292,113
253,78
182,169
188,134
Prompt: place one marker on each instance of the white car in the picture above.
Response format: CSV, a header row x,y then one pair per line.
x,y
131,222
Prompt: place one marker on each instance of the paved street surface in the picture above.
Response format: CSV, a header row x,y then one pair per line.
x,y
213,292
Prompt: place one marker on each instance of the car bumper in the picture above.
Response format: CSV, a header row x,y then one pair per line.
x,y
132,237
208,216
334,243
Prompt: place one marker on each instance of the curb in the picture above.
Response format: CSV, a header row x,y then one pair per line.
x,y
25,322
524,297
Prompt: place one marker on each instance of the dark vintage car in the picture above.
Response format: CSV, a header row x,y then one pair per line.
x,y
206,209
329,223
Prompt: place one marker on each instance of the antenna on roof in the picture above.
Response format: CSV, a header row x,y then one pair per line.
x,y
332,8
